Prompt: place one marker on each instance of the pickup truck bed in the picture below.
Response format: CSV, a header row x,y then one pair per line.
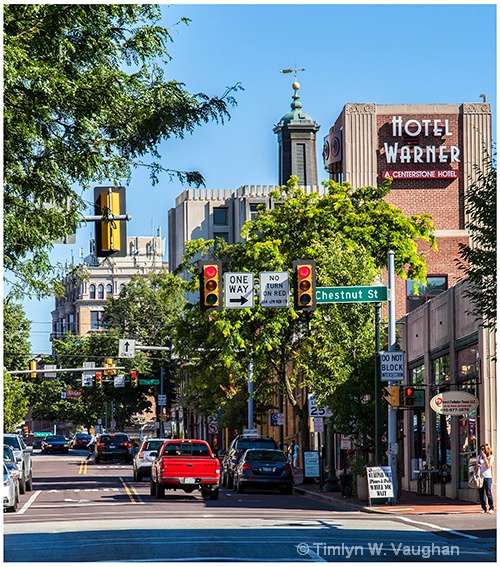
x,y
185,464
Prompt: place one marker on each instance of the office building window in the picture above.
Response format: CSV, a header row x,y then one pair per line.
x,y
95,320
109,290
122,289
415,298
220,216
100,291
71,323
92,291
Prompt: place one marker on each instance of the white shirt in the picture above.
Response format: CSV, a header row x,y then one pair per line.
x,y
483,468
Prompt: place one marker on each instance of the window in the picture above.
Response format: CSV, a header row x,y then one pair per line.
x,y
220,216
415,298
71,323
100,291
223,235
109,290
122,289
441,370
92,291
95,320
468,363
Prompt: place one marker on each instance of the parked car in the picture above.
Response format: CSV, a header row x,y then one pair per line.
x,y
22,453
55,444
113,446
10,460
264,468
80,441
185,464
10,490
146,454
237,447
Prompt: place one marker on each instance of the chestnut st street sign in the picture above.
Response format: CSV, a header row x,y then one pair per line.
x,y
352,294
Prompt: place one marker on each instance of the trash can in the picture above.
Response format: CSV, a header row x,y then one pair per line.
x,y
346,485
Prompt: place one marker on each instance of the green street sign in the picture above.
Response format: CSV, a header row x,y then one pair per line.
x,y
40,434
149,382
352,294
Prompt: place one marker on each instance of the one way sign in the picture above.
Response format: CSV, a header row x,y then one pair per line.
x,y
238,290
126,348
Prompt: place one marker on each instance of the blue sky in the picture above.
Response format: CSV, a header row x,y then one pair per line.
x,y
387,53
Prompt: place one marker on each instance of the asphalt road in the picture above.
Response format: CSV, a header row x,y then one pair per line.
x,y
81,511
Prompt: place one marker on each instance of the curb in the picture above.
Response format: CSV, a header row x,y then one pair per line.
x,y
337,501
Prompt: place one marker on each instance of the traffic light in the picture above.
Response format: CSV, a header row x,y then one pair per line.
x,y
33,366
393,397
109,365
25,431
133,378
304,277
210,285
408,396
98,379
111,235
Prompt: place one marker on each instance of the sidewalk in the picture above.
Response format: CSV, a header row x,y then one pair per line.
x,y
409,503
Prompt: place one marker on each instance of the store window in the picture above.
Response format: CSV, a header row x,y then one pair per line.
x,y
468,362
422,293
220,216
441,371
419,437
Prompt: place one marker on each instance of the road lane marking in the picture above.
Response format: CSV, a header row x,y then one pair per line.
x,y
83,467
131,492
30,502
440,528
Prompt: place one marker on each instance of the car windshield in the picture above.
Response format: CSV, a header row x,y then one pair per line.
x,y
153,445
52,438
13,442
255,444
194,449
267,456
114,439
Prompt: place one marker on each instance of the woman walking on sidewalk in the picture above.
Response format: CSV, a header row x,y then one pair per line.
x,y
484,464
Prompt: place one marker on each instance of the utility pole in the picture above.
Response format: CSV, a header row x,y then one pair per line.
x,y
378,396
392,432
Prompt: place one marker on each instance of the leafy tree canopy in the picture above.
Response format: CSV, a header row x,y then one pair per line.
x,y
86,100
479,261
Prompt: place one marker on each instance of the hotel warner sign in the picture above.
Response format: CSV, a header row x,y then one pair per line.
x,y
398,153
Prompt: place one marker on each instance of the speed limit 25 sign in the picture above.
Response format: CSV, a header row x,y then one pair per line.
x,y
315,410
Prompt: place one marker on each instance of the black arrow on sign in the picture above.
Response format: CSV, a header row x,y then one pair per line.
x,y
126,346
241,300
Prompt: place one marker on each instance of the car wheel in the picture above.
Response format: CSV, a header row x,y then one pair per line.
x,y
22,485
230,482
240,489
152,488
135,475
139,476
214,494
223,480
160,491
29,483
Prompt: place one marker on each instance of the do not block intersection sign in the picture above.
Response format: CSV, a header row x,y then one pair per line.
x,y
392,367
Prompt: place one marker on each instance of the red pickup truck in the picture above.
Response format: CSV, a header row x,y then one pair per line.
x,y
185,464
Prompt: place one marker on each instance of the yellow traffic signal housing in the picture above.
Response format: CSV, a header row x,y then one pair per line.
x,y
133,378
210,285
33,366
304,277
109,365
98,379
393,397
110,235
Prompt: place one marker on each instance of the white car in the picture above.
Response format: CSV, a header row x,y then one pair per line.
x,y
22,453
10,490
145,456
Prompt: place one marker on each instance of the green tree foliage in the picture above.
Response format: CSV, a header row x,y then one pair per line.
x,y
16,354
479,261
86,100
16,335
348,232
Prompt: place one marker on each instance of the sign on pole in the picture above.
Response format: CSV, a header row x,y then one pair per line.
x,y
126,348
352,294
162,399
314,410
119,381
311,464
392,367
274,289
238,290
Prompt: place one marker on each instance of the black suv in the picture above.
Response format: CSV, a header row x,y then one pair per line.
x,y
113,446
238,446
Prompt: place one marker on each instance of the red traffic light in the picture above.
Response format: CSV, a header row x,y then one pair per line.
x,y
210,271
210,285
304,275
304,271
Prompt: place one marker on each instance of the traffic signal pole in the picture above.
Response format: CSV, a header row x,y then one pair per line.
x,y
392,432
378,396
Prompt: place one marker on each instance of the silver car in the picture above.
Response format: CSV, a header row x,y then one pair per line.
x,y
145,456
22,453
10,490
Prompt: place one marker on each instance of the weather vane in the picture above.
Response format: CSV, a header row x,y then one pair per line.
x,y
294,71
